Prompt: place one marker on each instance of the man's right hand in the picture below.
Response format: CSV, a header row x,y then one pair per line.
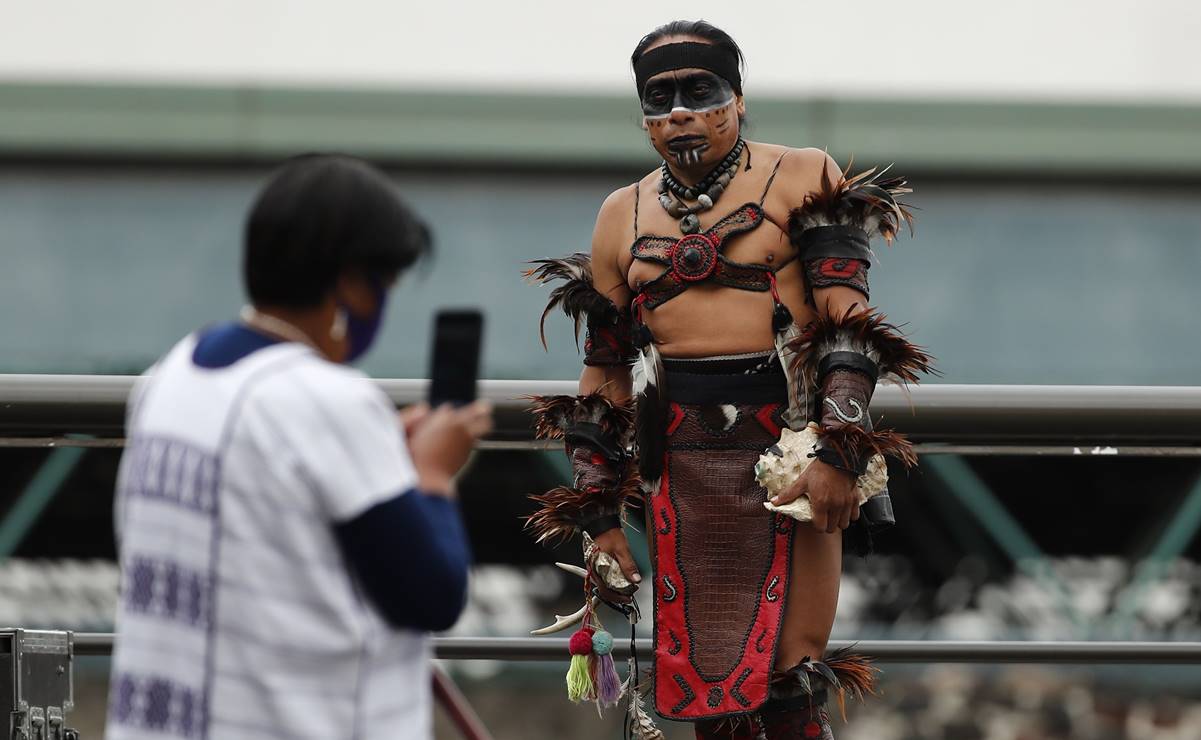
x,y
614,543
442,442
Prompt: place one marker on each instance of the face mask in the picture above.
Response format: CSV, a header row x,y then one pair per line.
x,y
697,92
360,332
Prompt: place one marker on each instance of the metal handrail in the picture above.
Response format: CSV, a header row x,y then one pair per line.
x,y
41,406
883,651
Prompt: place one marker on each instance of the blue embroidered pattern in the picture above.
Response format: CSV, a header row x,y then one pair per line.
x,y
166,474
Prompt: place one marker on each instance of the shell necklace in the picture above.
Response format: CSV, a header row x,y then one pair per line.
x,y
673,193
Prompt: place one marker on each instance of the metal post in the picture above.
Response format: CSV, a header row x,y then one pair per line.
x,y
1004,528
1175,540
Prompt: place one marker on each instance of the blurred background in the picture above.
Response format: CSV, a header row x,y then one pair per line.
x,y
1055,149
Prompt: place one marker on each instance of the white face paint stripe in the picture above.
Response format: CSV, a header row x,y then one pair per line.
x,y
707,109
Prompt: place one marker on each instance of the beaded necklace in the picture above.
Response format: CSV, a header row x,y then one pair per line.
x,y
672,192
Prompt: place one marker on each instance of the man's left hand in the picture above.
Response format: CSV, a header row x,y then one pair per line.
x,y
831,493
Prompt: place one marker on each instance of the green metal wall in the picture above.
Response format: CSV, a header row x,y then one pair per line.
x,y
249,123
105,266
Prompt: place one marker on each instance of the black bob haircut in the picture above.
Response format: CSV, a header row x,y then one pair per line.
x,y
321,216
700,29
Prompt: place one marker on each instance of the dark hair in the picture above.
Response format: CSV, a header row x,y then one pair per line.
x,y
700,29
319,217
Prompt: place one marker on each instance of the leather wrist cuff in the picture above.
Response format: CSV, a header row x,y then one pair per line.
x,y
597,526
848,462
845,395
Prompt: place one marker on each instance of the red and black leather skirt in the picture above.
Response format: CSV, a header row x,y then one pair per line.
x,y
721,561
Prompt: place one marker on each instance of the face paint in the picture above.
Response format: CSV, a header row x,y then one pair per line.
x,y
688,150
697,92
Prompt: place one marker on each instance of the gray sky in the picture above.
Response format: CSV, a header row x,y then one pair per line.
x,y
1106,49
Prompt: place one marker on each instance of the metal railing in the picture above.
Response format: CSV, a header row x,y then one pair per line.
x,y
42,410
88,411
883,651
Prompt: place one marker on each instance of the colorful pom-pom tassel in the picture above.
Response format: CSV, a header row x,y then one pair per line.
x,y
608,683
579,680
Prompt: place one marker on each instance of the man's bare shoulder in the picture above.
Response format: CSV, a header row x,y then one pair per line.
x,y
618,207
615,221
802,170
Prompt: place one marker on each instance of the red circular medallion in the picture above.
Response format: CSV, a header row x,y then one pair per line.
x,y
694,258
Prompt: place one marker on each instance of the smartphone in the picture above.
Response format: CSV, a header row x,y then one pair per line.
x,y
455,364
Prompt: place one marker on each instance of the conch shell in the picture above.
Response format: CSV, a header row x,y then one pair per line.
x,y
606,568
780,466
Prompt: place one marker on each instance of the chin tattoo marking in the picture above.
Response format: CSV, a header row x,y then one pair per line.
x,y
689,156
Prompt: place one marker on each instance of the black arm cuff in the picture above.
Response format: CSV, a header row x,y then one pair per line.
x,y
856,361
817,242
591,435
601,524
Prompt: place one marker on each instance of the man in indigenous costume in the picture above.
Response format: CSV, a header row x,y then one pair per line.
x,y
726,298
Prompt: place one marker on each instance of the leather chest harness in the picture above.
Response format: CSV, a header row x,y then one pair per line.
x,y
699,257
696,258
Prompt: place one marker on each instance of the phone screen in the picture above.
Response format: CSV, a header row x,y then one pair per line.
x,y
456,359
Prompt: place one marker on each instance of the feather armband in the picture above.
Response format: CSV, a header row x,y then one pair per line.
x,y
841,359
597,433
608,340
832,229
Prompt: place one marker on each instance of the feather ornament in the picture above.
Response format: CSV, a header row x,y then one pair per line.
x,y
648,376
562,508
867,333
868,201
798,393
553,415
852,442
639,722
576,296
843,670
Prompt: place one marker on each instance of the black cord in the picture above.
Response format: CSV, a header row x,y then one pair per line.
x,y
630,729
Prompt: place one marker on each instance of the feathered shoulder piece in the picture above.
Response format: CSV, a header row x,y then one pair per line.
x,y
576,296
867,333
867,201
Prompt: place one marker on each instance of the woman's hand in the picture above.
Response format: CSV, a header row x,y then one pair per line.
x,y
442,440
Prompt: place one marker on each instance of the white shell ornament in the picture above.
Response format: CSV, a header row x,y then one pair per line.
x,y
780,466
606,568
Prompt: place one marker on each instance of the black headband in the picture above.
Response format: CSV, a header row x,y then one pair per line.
x,y
685,55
